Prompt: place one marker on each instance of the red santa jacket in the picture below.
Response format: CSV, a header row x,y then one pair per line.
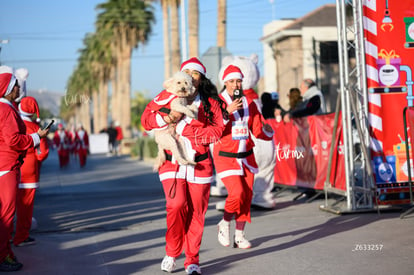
x,y
30,169
119,133
235,147
161,105
61,139
197,135
13,139
82,139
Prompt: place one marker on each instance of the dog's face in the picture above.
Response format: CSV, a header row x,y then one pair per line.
x,y
180,84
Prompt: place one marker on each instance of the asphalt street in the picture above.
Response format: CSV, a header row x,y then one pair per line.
x,y
109,218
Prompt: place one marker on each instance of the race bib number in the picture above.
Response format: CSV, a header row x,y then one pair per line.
x,y
239,130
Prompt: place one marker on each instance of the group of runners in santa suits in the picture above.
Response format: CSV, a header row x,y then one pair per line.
x,y
73,143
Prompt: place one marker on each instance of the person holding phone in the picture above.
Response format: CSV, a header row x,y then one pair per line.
x,y
234,159
30,173
13,145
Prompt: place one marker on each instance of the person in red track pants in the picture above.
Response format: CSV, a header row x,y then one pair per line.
x,y
187,187
30,173
233,156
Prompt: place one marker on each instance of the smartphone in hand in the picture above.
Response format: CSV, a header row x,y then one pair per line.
x,y
49,125
238,94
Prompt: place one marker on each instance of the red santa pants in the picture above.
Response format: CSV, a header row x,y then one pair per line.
x,y
24,211
185,218
240,192
63,157
82,156
8,187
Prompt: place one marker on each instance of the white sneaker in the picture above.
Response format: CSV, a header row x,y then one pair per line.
x,y
240,241
193,269
224,233
168,264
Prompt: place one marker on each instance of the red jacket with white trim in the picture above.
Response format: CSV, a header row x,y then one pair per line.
x,y
197,135
231,165
13,139
81,139
30,170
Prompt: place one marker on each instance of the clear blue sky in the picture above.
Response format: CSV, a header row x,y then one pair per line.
x,y
45,36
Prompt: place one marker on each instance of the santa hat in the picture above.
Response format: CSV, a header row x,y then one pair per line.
x,y
232,72
28,106
7,80
193,64
21,75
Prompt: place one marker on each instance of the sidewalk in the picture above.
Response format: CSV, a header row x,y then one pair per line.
x,y
109,218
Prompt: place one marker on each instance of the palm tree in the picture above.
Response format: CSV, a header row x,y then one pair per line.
x,y
85,83
221,23
102,61
76,101
130,22
175,36
166,34
193,27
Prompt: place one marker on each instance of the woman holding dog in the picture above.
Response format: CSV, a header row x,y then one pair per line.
x,y
187,187
234,159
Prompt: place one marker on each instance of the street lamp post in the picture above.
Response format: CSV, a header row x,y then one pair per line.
x,y
3,41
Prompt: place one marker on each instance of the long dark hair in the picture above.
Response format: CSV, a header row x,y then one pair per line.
x,y
207,90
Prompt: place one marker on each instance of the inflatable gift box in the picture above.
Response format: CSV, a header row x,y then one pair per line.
x,y
388,69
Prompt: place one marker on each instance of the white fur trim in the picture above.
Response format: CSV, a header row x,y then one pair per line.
x,y
180,127
31,185
3,173
234,75
188,119
164,101
193,66
196,180
36,139
228,173
160,120
26,118
12,82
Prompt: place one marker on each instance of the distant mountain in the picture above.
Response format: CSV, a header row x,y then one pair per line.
x,y
47,100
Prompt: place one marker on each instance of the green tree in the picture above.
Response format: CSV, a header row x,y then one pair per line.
x,y
45,113
80,87
138,104
98,56
130,22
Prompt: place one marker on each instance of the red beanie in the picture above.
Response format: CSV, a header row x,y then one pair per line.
x,y
28,106
7,80
232,72
193,64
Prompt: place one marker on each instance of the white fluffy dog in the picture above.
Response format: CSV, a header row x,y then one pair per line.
x,y
180,85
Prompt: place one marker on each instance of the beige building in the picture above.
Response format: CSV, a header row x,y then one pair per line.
x,y
306,47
